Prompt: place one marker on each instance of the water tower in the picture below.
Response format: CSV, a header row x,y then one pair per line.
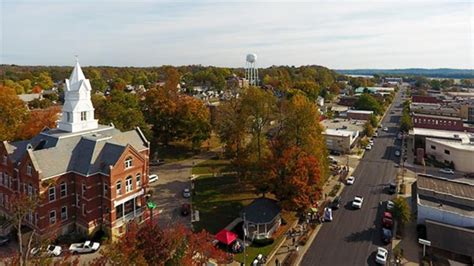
x,y
251,71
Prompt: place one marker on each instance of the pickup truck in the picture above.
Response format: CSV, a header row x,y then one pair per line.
x,y
86,247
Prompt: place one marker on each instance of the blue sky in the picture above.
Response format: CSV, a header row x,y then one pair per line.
x,y
336,34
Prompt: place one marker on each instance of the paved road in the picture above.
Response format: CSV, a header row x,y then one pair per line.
x,y
354,235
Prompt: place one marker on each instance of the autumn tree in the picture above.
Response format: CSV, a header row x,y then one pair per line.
x,y
401,210
335,88
38,120
13,113
299,127
295,178
368,129
310,88
44,81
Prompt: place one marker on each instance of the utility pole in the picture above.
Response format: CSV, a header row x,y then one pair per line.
x,y
245,233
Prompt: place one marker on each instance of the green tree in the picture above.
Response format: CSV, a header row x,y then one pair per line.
x,y
367,102
26,84
368,129
310,88
374,121
406,123
17,87
44,81
401,210
122,109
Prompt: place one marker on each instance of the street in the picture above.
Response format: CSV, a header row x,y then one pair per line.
x,y
354,235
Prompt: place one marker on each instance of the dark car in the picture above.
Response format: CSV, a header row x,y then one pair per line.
x,y
386,235
392,188
387,220
4,240
185,209
336,202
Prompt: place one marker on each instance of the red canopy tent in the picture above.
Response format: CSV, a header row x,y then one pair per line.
x,y
226,236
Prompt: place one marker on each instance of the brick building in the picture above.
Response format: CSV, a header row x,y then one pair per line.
x,y
438,122
88,176
359,114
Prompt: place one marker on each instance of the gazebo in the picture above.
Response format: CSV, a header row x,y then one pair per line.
x,y
261,218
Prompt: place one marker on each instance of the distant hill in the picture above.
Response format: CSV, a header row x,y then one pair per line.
x,y
433,73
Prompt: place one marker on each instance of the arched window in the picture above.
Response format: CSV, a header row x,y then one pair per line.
x,y
128,184
118,187
128,162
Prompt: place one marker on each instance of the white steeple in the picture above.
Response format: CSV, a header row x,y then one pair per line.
x,y
78,112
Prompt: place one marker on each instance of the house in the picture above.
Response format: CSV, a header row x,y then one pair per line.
x,y
261,218
88,176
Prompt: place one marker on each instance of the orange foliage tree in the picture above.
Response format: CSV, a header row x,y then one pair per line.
x,y
295,178
38,120
13,113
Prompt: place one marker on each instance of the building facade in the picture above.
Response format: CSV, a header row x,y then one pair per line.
x,y
459,154
340,140
359,114
87,176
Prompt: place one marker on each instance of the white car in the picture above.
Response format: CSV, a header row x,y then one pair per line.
x,y
385,129
357,202
397,153
381,256
152,178
51,250
371,142
390,205
350,180
368,147
446,171
86,247
186,193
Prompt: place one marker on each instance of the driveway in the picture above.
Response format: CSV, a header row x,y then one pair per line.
x,y
167,191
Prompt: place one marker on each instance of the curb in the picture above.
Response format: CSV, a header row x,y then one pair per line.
x,y
278,246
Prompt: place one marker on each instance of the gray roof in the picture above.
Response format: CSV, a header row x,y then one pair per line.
x,y
55,152
261,211
455,239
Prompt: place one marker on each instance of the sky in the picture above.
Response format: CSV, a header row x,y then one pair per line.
x,y
336,34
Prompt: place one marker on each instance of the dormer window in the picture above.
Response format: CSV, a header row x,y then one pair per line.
x,y
128,162
28,169
83,116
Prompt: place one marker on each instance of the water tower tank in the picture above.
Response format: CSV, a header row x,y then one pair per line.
x,y
251,58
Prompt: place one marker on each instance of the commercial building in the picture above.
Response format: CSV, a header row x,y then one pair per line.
x,y
446,207
417,137
359,114
459,153
87,176
340,140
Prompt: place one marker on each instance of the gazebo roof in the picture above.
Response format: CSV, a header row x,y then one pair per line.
x,y
261,211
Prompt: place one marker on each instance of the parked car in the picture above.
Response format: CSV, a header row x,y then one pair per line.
x,y
386,235
368,147
447,171
357,202
385,129
390,205
185,209
387,220
152,178
157,162
371,142
381,256
186,193
336,202
350,180
397,153
392,188
4,240
51,250
327,214
86,247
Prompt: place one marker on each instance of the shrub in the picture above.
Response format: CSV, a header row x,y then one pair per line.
x,y
334,190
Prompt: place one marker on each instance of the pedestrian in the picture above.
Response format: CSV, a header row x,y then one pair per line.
x,y
277,262
294,240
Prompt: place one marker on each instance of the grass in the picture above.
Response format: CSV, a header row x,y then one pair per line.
x,y
211,166
219,201
181,150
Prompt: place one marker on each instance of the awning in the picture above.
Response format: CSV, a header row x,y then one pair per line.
x,y
226,236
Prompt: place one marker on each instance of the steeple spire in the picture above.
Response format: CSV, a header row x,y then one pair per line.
x,y
78,112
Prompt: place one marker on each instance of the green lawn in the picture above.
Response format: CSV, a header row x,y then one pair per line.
x,y
219,201
175,152
211,166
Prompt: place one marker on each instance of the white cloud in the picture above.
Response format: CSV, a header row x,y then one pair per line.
x,y
337,34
